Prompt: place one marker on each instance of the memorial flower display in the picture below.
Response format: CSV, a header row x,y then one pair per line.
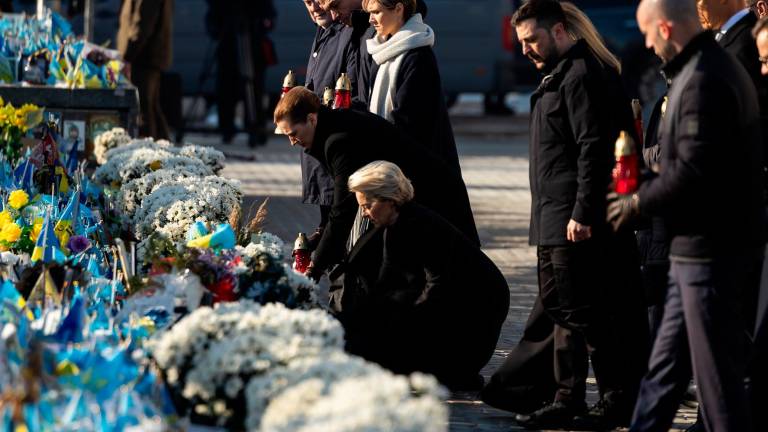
x,y
143,297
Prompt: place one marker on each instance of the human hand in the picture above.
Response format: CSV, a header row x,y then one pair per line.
x,y
577,232
622,209
313,273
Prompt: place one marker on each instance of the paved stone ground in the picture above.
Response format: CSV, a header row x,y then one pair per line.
x,y
494,160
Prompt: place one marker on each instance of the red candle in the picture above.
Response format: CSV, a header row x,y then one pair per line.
x,y
626,172
343,97
301,254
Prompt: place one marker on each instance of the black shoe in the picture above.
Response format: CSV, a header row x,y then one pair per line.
x,y
606,414
556,415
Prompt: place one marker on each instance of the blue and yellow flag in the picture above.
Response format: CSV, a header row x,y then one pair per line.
x,y
12,302
48,247
66,227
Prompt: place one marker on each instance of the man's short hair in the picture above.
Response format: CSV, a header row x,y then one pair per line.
x,y
547,13
761,25
679,10
296,105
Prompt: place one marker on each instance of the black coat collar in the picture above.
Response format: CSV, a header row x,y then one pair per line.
x,y
553,79
322,132
745,24
674,66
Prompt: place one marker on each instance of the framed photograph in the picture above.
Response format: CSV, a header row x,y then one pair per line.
x,y
98,123
73,134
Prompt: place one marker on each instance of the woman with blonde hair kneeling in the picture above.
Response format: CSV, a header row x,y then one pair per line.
x,y
418,295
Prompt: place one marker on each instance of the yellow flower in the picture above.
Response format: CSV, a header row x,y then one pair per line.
x,y
7,115
5,218
18,199
29,116
10,233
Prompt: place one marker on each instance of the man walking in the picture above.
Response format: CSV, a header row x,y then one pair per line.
x,y
243,53
709,192
577,113
145,41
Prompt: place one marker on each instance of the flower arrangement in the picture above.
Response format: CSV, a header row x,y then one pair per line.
x,y
170,209
127,166
231,274
108,140
133,192
209,357
18,228
376,401
213,158
14,124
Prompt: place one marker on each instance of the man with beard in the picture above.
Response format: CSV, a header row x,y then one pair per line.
x,y
709,193
577,113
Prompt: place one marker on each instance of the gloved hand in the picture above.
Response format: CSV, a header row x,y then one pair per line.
x,y
314,239
313,272
622,209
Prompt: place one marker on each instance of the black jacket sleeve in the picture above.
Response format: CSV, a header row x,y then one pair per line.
x,y
585,117
342,162
699,134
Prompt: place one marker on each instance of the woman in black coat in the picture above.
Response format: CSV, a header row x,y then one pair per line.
x,y
418,295
403,81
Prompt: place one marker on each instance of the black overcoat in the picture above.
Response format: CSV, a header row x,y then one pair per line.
x,y
419,107
347,140
577,113
738,41
328,58
419,296
710,187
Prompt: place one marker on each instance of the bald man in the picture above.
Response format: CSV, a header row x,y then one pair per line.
x,y
759,7
709,193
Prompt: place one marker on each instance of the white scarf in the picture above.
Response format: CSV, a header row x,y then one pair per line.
x,y
388,54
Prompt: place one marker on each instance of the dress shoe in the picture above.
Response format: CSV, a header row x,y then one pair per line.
x,y
557,414
606,414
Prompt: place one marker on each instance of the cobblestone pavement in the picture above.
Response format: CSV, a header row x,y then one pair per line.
x,y
494,160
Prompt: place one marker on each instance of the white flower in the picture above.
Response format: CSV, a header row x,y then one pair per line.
x,y
375,401
107,141
212,352
171,208
213,158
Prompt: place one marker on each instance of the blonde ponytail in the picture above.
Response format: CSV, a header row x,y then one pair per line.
x,y
579,26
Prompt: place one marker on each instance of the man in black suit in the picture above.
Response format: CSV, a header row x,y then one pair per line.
x,y
346,140
709,193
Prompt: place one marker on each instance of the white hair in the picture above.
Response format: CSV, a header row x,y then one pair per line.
x,y
382,180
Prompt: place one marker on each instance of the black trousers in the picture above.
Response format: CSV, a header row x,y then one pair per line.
x,y
572,289
758,366
703,327
235,78
151,121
